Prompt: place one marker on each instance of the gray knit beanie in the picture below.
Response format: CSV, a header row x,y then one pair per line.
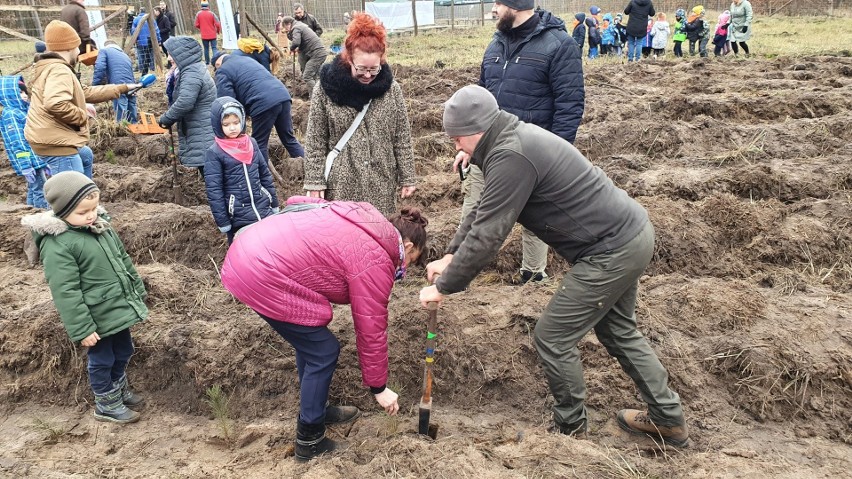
x,y
469,111
64,191
519,4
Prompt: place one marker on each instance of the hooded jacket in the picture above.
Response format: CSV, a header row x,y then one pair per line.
x,y
741,18
208,23
594,33
579,31
541,79
57,122
238,194
251,84
639,11
609,33
292,266
92,280
193,95
660,33
74,14
12,122
112,66
306,40
548,186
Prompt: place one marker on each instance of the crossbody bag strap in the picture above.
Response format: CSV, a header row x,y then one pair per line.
x,y
329,159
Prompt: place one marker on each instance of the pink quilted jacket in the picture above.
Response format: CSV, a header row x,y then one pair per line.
x,y
292,266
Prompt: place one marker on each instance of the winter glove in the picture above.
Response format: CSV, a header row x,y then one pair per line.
x,y
29,174
225,229
163,123
275,210
744,29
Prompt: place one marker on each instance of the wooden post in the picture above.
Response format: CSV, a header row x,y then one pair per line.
x,y
37,20
452,14
155,44
108,18
482,12
135,34
414,15
18,34
243,22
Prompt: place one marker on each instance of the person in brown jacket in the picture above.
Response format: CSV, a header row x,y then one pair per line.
x,y
58,120
74,14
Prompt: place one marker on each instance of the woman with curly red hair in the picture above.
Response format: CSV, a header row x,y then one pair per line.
x,y
377,162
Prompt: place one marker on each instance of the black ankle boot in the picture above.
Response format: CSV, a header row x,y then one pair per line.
x,y
341,414
311,441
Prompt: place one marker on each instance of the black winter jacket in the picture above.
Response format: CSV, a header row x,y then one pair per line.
x,y
542,182
239,194
541,81
250,84
579,33
639,11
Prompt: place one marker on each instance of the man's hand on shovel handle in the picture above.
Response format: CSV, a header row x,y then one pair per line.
x,y
387,399
430,294
436,268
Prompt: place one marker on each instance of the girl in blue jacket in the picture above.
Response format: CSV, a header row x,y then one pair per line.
x,y
239,183
13,100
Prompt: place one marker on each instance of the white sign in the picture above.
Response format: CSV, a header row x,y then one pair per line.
x,y
229,30
95,17
396,15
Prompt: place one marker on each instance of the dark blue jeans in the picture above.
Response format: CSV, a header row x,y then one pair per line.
x,y
208,44
279,117
316,359
108,360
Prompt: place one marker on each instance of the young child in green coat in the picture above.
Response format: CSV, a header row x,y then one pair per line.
x,y
94,285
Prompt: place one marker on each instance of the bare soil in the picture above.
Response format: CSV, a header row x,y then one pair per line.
x,y
744,167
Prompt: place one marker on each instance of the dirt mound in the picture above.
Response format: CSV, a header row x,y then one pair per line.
x,y
746,302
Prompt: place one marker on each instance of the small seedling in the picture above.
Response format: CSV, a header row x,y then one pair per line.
x,y
110,157
51,430
218,401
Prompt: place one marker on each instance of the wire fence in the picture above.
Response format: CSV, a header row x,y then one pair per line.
x,y
20,19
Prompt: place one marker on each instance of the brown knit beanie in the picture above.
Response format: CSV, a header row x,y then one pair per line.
x,y
64,191
60,37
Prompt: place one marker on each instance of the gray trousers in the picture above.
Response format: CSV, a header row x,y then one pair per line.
x,y
534,250
600,293
310,66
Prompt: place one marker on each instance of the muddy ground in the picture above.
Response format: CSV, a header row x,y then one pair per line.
x,y
744,167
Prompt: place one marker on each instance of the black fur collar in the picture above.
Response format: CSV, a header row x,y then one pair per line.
x,y
343,89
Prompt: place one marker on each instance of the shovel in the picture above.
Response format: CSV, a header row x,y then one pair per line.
x,y
177,198
425,409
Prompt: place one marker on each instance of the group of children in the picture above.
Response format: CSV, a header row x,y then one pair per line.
x,y
95,287
607,35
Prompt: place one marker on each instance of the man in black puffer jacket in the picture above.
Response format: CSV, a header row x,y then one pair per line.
x,y
637,26
267,101
535,71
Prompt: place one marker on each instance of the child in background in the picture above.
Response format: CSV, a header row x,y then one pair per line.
x,y
720,39
594,37
621,39
239,183
648,47
13,99
697,31
578,32
679,35
96,289
609,34
660,34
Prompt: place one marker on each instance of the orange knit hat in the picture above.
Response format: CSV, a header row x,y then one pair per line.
x,y
60,37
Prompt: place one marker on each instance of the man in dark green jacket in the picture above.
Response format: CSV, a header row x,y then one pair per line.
x,y
541,181
94,285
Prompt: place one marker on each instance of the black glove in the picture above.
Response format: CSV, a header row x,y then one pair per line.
x,y
744,29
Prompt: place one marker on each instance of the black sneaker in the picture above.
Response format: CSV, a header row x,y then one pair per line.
x,y
528,276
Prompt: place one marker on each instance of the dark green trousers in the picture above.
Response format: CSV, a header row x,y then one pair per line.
x,y
600,293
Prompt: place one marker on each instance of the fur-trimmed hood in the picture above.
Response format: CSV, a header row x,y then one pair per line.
x,y
47,224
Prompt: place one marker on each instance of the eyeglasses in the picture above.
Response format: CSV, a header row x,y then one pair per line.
x,y
371,70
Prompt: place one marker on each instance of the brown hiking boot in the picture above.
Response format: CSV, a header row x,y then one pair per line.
x,y
639,422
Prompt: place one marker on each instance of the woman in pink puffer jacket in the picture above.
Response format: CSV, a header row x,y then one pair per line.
x,y
292,266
